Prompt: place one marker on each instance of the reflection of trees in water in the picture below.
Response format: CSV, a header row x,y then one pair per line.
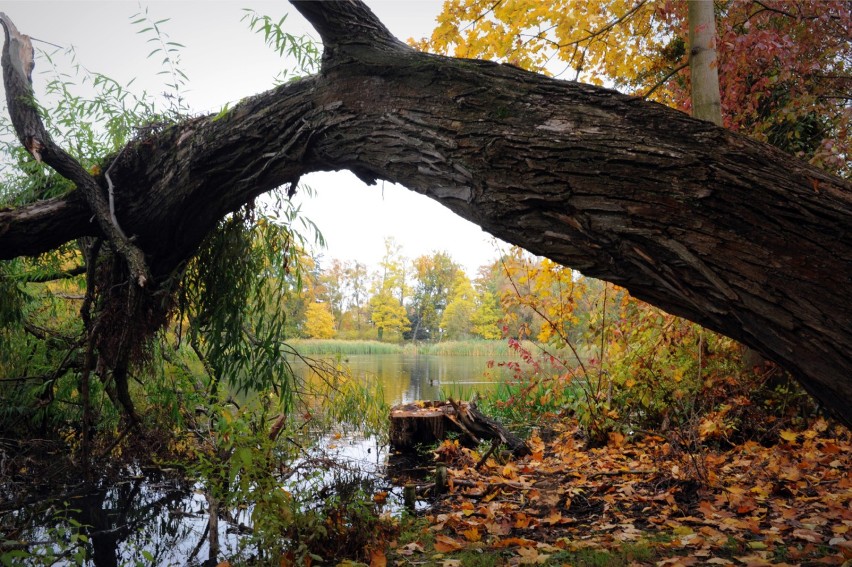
x,y
133,516
141,521
420,377
405,378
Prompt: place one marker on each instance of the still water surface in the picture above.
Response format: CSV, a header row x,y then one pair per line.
x,y
405,378
146,520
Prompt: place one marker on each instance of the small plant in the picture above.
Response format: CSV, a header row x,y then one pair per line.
x,y
64,542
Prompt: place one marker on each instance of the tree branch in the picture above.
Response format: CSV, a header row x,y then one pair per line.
x,y
53,276
18,64
702,222
665,79
344,25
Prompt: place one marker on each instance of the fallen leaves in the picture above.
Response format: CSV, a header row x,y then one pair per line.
x,y
794,498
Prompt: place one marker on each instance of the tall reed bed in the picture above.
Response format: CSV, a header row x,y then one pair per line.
x,y
497,349
331,346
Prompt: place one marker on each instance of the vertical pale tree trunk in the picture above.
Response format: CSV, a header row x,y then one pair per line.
x,y
706,98
706,94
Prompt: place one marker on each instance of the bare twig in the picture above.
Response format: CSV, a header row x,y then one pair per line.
x,y
668,76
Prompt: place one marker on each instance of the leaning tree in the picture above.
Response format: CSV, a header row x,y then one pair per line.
x,y
704,223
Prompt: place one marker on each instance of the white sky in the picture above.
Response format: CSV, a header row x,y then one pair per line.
x,y
226,62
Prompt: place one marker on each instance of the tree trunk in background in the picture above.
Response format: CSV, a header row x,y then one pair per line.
x,y
702,222
703,65
706,94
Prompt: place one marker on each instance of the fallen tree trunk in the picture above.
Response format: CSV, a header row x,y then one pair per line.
x,y
702,222
429,422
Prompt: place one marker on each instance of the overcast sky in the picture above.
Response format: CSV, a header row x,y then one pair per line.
x,y
225,62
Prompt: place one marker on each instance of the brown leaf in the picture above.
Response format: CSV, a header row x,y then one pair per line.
x,y
446,544
378,559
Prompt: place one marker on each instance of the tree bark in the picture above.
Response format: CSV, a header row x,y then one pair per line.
x,y
702,222
703,65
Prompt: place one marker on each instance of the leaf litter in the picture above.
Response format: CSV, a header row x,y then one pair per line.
x,y
786,504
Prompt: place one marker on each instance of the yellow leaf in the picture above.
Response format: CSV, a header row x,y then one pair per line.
x,y
789,436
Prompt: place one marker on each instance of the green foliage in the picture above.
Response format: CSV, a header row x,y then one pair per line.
x,y
314,347
473,347
11,299
63,543
536,392
300,49
301,505
457,319
169,51
486,317
233,295
434,278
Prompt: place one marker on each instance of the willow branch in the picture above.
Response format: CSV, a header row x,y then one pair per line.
x,y
18,64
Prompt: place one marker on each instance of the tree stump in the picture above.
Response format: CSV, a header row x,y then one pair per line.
x,y
428,422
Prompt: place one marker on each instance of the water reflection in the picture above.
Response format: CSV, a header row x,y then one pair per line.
x,y
152,519
142,520
405,378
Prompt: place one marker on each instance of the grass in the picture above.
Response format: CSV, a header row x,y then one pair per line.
x,y
461,348
333,346
417,530
445,348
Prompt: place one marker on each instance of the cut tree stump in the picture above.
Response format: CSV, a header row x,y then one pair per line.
x,y
428,422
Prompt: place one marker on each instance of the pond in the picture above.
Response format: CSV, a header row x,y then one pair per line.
x,y
148,518
405,378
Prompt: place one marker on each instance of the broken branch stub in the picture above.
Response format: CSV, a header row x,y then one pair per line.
x,y
18,63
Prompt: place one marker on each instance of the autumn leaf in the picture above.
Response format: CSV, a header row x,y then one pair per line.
x,y
616,439
677,562
410,548
789,436
522,521
513,541
531,556
446,544
378,559
808,535
509,471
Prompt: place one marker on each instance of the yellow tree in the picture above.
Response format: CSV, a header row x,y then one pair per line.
x,y
434,276
783,65
486,317
387,313
457,319
590,41
319,321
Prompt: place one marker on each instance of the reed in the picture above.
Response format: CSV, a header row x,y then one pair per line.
x,y
497,349
331,346
463,348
